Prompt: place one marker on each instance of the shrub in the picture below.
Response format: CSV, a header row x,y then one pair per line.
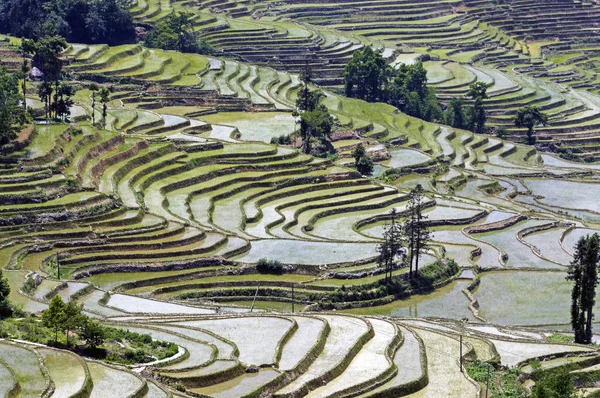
x,y
265,266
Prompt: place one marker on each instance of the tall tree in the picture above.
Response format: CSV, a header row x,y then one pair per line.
x,y
104,98
583,272
362,161
12,115
477,116
455,114
47,59
94,89
390,250
54,317
5,307
315,121
365,75
72,317
27,48
530,117
416,230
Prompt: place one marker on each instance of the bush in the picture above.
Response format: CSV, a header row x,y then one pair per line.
x,y
265,266
283,139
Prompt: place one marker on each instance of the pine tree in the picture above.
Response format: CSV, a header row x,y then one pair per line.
x,y
583,271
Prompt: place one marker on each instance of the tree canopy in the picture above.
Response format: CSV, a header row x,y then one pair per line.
x,y
583,272
175,33
79,21
12,115
368,76
362,161
316,124
5,307
530,117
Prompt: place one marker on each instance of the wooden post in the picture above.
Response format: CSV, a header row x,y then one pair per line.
x,y
487,382
254,300
461,356
293,298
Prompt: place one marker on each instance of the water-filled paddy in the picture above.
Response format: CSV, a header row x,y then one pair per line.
x,y
447,302
519,254
406,157
566,194
309,253
524,298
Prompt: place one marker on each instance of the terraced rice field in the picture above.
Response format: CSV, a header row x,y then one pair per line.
x,y
158,220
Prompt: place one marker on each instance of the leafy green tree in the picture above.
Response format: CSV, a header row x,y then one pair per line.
x,y
92,332
477,116
27,48
319,126
79,21
365,75
417,232
73,318
5,307
368,76
175,33
54,317
12,115
64,101
109,21
362,161
390,250
315,121
530,117
554,383
47,59
455,114
583,272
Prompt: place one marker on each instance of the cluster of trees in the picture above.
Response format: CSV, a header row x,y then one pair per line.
x,y
53,91
316,124
175,32
404,241
472,117
68,317
12,113
79,21
368,76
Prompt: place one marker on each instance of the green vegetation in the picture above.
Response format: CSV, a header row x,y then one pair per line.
x,y
193,187
175,33
5,306
584,274
367,76
530,117
316,124
362,161
265,266
12,116
98,21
